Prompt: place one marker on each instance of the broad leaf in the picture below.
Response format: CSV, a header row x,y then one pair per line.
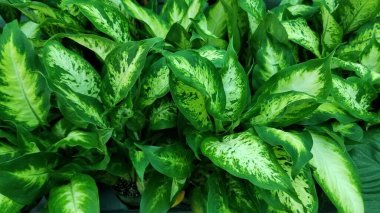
x,y
172,160
190,103
343,187
332,32
65,68
300,33
163,115
216,56
79,195
8,205
298,145
325,112
256,12
371,57
23,179
139,161
174,11
351,130
200,74
24,97
105,18
246,156
124,66
217,200
156,196
217,18
354,13
194,10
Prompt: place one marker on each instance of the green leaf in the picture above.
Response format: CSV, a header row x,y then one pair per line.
x,y
300,33
190,103
198,200
354,13
216,56
7,152
65,68
217,19
139,161
351,130
256,12
326,111
194,10
360,70
246,156
179,37
104,17
312,77
156,196
123,68
100,45
343,187
24,97
370,56
282,109
354,95
332,34
235,84
174,11
302,10
217,200
79,195
298,145
163,115
8,205
155,83
23,179
201,74
172,160
158,27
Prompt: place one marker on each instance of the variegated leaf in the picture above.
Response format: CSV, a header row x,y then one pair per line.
x,y
79,195
354,13
139,161
370,58
354,95
156,196
281,109
24,97
303,184
172,160
332,34
100,45
23,179
351,130
246,156
256,11
312,77
155,83
123,68
326,111
8,205
104,17
7,151
216,56
298,145
65,68
360,70
217,18
217,200
195,8
190,103
300,33
174,11
302,10
163,115
342,187
201,74
156,24
198,200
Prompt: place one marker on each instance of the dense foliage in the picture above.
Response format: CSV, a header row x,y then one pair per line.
x,y
224,105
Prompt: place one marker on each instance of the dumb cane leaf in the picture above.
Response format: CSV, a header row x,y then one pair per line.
x,y
79,195
173,11
24,97
246,156
256,12
332,32
298,145
156,196
354,13
8,205
155,83
351,130
123,68
163,115
325,112
335,173
105,18
193,11
360,70
139,161
235,83
23,179
216,56
371,59
172,160
300,33
217,200
190,103
199,73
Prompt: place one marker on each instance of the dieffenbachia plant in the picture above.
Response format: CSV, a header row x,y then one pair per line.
x,y
226,106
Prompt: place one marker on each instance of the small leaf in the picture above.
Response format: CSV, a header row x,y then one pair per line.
x,y
216,56
246,156
163,115
174,11
24,97
370,56
343,187
104,17
326,111
351,130
8,205
156,196
332,32
256,11
217,200
79,195
139,161
195,9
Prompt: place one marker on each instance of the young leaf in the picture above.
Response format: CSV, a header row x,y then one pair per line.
x,y
23,179
354,13
332,32
139,161
172,160
65,68
104,17
123,68
79,195
298,145
300,33
246,156
24,97
256,12
174,11
190,103
195,9
217,18
163,115
8,205
343,187
156,196
200,74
